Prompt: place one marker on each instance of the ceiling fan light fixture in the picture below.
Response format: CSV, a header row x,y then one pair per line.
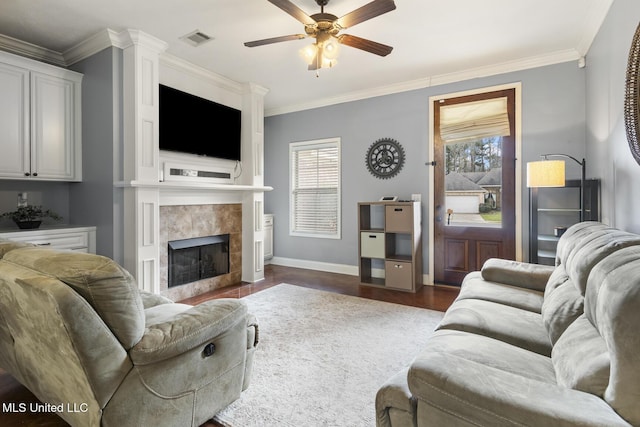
x,y
325,28
331,48
309,53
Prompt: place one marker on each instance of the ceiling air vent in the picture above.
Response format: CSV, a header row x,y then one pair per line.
x,y
196,38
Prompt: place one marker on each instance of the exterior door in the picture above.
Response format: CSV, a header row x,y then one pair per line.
x,y
474,182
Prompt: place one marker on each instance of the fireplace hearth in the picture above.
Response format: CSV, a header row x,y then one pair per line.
x,y
190,260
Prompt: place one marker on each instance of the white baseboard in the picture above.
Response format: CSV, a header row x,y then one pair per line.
x,y
351,270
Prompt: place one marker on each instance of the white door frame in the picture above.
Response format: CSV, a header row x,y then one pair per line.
x,y
518,170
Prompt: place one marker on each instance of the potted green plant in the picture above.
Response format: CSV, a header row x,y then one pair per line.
x,y
27,217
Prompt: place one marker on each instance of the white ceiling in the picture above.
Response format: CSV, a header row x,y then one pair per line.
x,y
434,40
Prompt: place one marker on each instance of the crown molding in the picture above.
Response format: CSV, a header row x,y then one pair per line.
x,y
128,38
598,13
436,80
94,44
255,89
169,60
32,51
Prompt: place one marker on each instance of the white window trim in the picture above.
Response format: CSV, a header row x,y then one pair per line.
x,y
319,143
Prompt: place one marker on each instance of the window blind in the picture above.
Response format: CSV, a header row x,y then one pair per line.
x,y
474,120
315,189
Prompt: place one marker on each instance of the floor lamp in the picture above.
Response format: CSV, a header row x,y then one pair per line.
x,y
550,173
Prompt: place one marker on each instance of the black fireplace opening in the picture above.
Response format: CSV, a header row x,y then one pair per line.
x,y
199,258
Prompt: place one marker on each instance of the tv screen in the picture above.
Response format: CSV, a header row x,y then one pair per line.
x,y
194,125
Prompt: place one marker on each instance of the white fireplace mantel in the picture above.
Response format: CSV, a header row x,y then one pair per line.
x,y
196,193
191,186
144,193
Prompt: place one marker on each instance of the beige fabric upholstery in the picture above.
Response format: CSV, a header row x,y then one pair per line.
x,y
109,288
565,354
482,289
520,274
562,304
75,328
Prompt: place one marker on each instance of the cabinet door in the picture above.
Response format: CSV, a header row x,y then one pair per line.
x,y
52,127
268,236
14,121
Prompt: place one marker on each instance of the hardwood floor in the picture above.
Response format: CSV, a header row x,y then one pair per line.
x,y
435,298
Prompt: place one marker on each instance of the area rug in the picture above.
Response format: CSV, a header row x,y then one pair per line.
x,y
323,356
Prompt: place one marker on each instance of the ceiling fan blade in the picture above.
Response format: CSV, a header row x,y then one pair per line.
x,y
364,44
366,12
293,10
275,40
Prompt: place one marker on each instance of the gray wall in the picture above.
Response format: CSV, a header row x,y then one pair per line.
x,y
51,195
608,154
553,106
95,201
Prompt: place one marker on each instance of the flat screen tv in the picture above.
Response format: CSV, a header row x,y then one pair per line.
x,y
194,125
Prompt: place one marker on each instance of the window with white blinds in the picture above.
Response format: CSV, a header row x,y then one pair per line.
x,y
315,188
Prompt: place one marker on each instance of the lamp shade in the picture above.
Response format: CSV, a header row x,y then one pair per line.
x,y
545,173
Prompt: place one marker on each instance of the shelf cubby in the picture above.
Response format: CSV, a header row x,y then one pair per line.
x,y
389,250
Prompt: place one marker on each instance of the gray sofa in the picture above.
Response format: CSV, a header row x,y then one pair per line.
x,y
76,331
526,344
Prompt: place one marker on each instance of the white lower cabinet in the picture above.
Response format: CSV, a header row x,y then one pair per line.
x,y
81,239
268,236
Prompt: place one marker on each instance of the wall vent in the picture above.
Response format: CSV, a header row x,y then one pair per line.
x,y
196,38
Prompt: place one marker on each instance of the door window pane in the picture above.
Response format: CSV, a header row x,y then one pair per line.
x,y
473,182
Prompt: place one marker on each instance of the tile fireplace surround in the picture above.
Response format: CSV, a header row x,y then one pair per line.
x,y
188,221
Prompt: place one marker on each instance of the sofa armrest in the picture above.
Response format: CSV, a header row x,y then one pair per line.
x,y
194,327
515,273
151,300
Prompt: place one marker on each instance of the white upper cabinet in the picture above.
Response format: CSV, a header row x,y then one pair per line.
x,y
14,121
40,121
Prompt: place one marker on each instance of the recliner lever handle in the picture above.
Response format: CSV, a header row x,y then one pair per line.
x,y
209,349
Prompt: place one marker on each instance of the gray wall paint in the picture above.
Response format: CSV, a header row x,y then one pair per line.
x,y
553,105
51,195
92,202
608,152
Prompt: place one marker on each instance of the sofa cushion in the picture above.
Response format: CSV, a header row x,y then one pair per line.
x,y
109,288
474,286
509,324
612,303
70,318
576,235
152,300
562,304
492,353
581,358
163,312
599,244
515,273
8,245
483,382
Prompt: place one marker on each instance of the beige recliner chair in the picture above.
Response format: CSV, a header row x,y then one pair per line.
x,y
75,330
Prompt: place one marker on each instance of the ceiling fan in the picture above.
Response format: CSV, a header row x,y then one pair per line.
x,y
324,27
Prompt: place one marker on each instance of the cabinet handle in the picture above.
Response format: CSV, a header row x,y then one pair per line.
x,y
398,209
35,174
373,236
27,174
44,244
